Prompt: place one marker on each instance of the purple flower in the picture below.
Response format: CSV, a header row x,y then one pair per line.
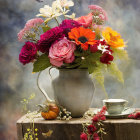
x,y
28,53
67,25
48,38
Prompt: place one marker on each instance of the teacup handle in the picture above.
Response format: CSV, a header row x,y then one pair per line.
x,y
43,91
126,108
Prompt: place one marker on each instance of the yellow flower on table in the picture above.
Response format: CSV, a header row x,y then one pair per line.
x,y
113,38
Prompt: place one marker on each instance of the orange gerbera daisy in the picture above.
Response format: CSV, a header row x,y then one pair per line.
x,y
82,36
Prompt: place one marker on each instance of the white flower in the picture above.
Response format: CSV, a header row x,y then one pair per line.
x,y
96,17
103,48
49,12
66,3
59,7
101,39
82,58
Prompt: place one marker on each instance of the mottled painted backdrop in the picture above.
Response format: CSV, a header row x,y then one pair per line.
x,y
17,81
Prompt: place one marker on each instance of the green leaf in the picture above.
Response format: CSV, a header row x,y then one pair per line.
x,y
45,28
94,56
121,54
90,69
91,61
42,63
83,64
75,64
77,53
114,70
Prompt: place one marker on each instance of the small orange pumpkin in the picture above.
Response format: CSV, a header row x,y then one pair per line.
x,y
50,111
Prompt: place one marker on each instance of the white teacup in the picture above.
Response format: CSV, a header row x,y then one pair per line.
x,y
115,106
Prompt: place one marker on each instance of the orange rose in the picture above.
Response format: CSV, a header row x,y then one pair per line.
x,y
113,38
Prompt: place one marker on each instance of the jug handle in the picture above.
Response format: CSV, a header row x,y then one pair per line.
x,y
49,100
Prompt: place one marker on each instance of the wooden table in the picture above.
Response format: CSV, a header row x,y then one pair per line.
x,y
117,129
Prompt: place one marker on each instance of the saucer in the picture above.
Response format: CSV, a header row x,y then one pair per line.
x,y
125,113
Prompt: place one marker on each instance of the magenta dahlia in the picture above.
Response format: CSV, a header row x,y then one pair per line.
x,y
28,53
48,38
68,24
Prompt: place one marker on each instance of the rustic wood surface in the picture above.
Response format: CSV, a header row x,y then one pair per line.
x,y
117,129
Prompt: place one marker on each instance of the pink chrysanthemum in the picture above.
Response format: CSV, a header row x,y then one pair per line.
x,y
96,8
33,23
49,37
21,35
68,24
28,26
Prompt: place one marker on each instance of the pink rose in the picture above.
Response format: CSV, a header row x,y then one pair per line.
x,y
62,52
28,53
86,21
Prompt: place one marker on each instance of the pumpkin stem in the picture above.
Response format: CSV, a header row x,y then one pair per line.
x,y
43,108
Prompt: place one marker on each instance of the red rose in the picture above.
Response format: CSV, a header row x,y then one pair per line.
x,y
28,53
83,136
91,129
106,57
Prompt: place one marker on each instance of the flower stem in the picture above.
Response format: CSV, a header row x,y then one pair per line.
x,y
56,20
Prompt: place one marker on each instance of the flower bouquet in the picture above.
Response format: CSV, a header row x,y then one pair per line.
x,y
62,41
